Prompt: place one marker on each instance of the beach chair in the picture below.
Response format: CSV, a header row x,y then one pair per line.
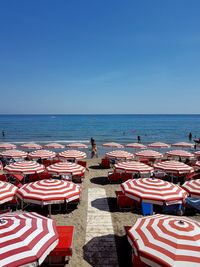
x,y
82,163
105,163
126,176
124,202
64,249
3,178
78,178
114,177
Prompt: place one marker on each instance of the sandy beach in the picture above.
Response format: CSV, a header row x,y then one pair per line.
x,y
96,178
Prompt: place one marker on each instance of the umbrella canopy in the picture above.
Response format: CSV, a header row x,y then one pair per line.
x,y
136,146
197,153
31,146
197,164
77,145
54,146
7,192
42,154
49,191
172,166
158,145
113,144
154,191
25,167
119,154
149,154
166,241
14,154
183,144
192,187
133,166
72,154
6,146
66,168
26,239
179,153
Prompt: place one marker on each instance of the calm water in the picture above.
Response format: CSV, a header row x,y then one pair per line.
x,y
103,128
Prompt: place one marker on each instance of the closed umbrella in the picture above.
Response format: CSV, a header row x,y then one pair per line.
x,y
26,239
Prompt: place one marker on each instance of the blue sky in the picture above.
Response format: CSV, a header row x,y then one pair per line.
x,y
99,56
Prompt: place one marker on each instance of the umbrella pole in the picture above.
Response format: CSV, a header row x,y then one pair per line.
x,y
49,207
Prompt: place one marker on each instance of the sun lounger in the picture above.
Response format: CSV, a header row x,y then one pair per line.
x,y
105,163
63,251
114,177
126,176
124,202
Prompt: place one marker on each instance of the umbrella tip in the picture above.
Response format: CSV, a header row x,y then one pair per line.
x,y
2,221
181,222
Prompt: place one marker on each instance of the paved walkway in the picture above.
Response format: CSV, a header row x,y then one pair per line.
x,y
100,248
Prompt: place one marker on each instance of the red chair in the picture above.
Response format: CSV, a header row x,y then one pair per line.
x,y
82,163
124,202
3,177
64,250
105,163
114,177
126,176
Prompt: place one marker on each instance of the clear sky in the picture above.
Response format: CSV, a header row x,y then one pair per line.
x,y
99,56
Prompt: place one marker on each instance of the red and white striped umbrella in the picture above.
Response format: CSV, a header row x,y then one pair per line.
x,y
25,167
179,153
72,154
183,144
113,144
197,153
172,166
54,146
66,168
14,154
26,239
192,187
149,154
158,145
136,146
7,192
119,154
154,191
133,166
77,145
166,241
42,154
31,146
49,191
197,164
6,146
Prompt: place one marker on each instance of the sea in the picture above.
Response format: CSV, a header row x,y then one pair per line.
x,y
123,129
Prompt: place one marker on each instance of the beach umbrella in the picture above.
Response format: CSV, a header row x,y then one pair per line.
x,y
179,153
66,168
173,167
76,145
14,154
132,167
136,146
155,191
183,145
119,155
49,191
6,146
7,192
148,154
42,154
158,145
54,146
113,145
166,241
31,146
197,164
197,153
24,167
72,154
26,239
192,187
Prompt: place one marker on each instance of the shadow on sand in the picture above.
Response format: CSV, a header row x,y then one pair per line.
x,y
102,180
101,251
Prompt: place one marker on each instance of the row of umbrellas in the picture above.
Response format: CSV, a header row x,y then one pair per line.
x,y
109,144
